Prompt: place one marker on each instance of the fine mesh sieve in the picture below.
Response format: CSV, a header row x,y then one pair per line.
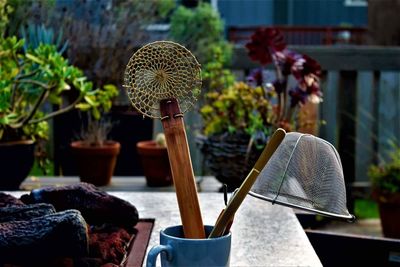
x,y
162,70
305,172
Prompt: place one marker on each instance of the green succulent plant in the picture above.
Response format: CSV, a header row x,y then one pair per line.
x,y
238,108
39,84
5,11
35,35
215,75
386,177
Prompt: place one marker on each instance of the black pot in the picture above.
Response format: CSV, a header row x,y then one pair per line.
x,y
16,161
228,157
389,212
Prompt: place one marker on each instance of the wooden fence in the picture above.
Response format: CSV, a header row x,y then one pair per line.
x,y
361,86
295,35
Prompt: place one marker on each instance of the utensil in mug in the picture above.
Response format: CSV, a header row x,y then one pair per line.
x,y
225,218
176,250
163,80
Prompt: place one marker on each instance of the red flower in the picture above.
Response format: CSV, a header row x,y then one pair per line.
x,y
314,89
298,95
264,42
286,58
305,66
255,77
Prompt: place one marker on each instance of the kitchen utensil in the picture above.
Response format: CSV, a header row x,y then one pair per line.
x,y
305,172
225,219
163,80
176,251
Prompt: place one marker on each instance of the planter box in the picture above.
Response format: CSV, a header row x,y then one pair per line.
x,y
138,245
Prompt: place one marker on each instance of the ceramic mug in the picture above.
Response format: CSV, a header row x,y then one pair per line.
x,y
179,251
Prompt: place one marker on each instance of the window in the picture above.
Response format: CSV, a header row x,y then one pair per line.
x,y
356,3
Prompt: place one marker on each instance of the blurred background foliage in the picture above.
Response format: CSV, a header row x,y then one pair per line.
x,y
96,36
201,30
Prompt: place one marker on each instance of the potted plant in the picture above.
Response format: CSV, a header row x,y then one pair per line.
x,y
236,122
95,155
239,118
385,179
155,161
35,86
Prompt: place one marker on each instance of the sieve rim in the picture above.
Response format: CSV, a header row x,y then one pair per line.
x,y
348,217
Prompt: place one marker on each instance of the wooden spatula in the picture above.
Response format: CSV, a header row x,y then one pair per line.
x,y
163,80
181,168
225,219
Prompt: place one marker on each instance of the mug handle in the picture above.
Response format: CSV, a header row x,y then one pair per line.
x,y
153,253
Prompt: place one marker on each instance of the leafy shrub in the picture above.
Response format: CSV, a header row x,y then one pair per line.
x,y
386,177
39,84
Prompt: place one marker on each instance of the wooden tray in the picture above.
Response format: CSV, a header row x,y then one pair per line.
x,y
138,244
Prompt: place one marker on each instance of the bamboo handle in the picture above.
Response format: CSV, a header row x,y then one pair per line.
x,y
181,167
225,219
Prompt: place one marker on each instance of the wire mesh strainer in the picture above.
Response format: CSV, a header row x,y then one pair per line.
x,y
163,80
162,70
304,172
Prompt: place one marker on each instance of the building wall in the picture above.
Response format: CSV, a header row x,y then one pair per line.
x,y
384,22
291,12
246,12
327,13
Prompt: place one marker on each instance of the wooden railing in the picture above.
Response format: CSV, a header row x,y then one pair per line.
x,y
361,108
306,35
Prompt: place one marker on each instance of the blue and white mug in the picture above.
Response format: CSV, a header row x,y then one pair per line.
x,y
179,251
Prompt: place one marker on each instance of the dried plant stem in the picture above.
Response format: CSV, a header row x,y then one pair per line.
x,y
95,134
285,111
282,98
290,113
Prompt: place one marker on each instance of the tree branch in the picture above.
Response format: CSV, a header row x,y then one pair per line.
x,y
43,85
58,112
13,94
32,112
27,75
14,87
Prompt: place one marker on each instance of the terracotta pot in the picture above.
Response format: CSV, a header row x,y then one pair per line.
x,y
389,211
155,163
96,163
16,161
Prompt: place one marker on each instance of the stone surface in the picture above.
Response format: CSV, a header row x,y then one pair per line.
x,y
262,234
118,183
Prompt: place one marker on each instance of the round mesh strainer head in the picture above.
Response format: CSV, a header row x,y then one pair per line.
x,y
162,70
304,172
